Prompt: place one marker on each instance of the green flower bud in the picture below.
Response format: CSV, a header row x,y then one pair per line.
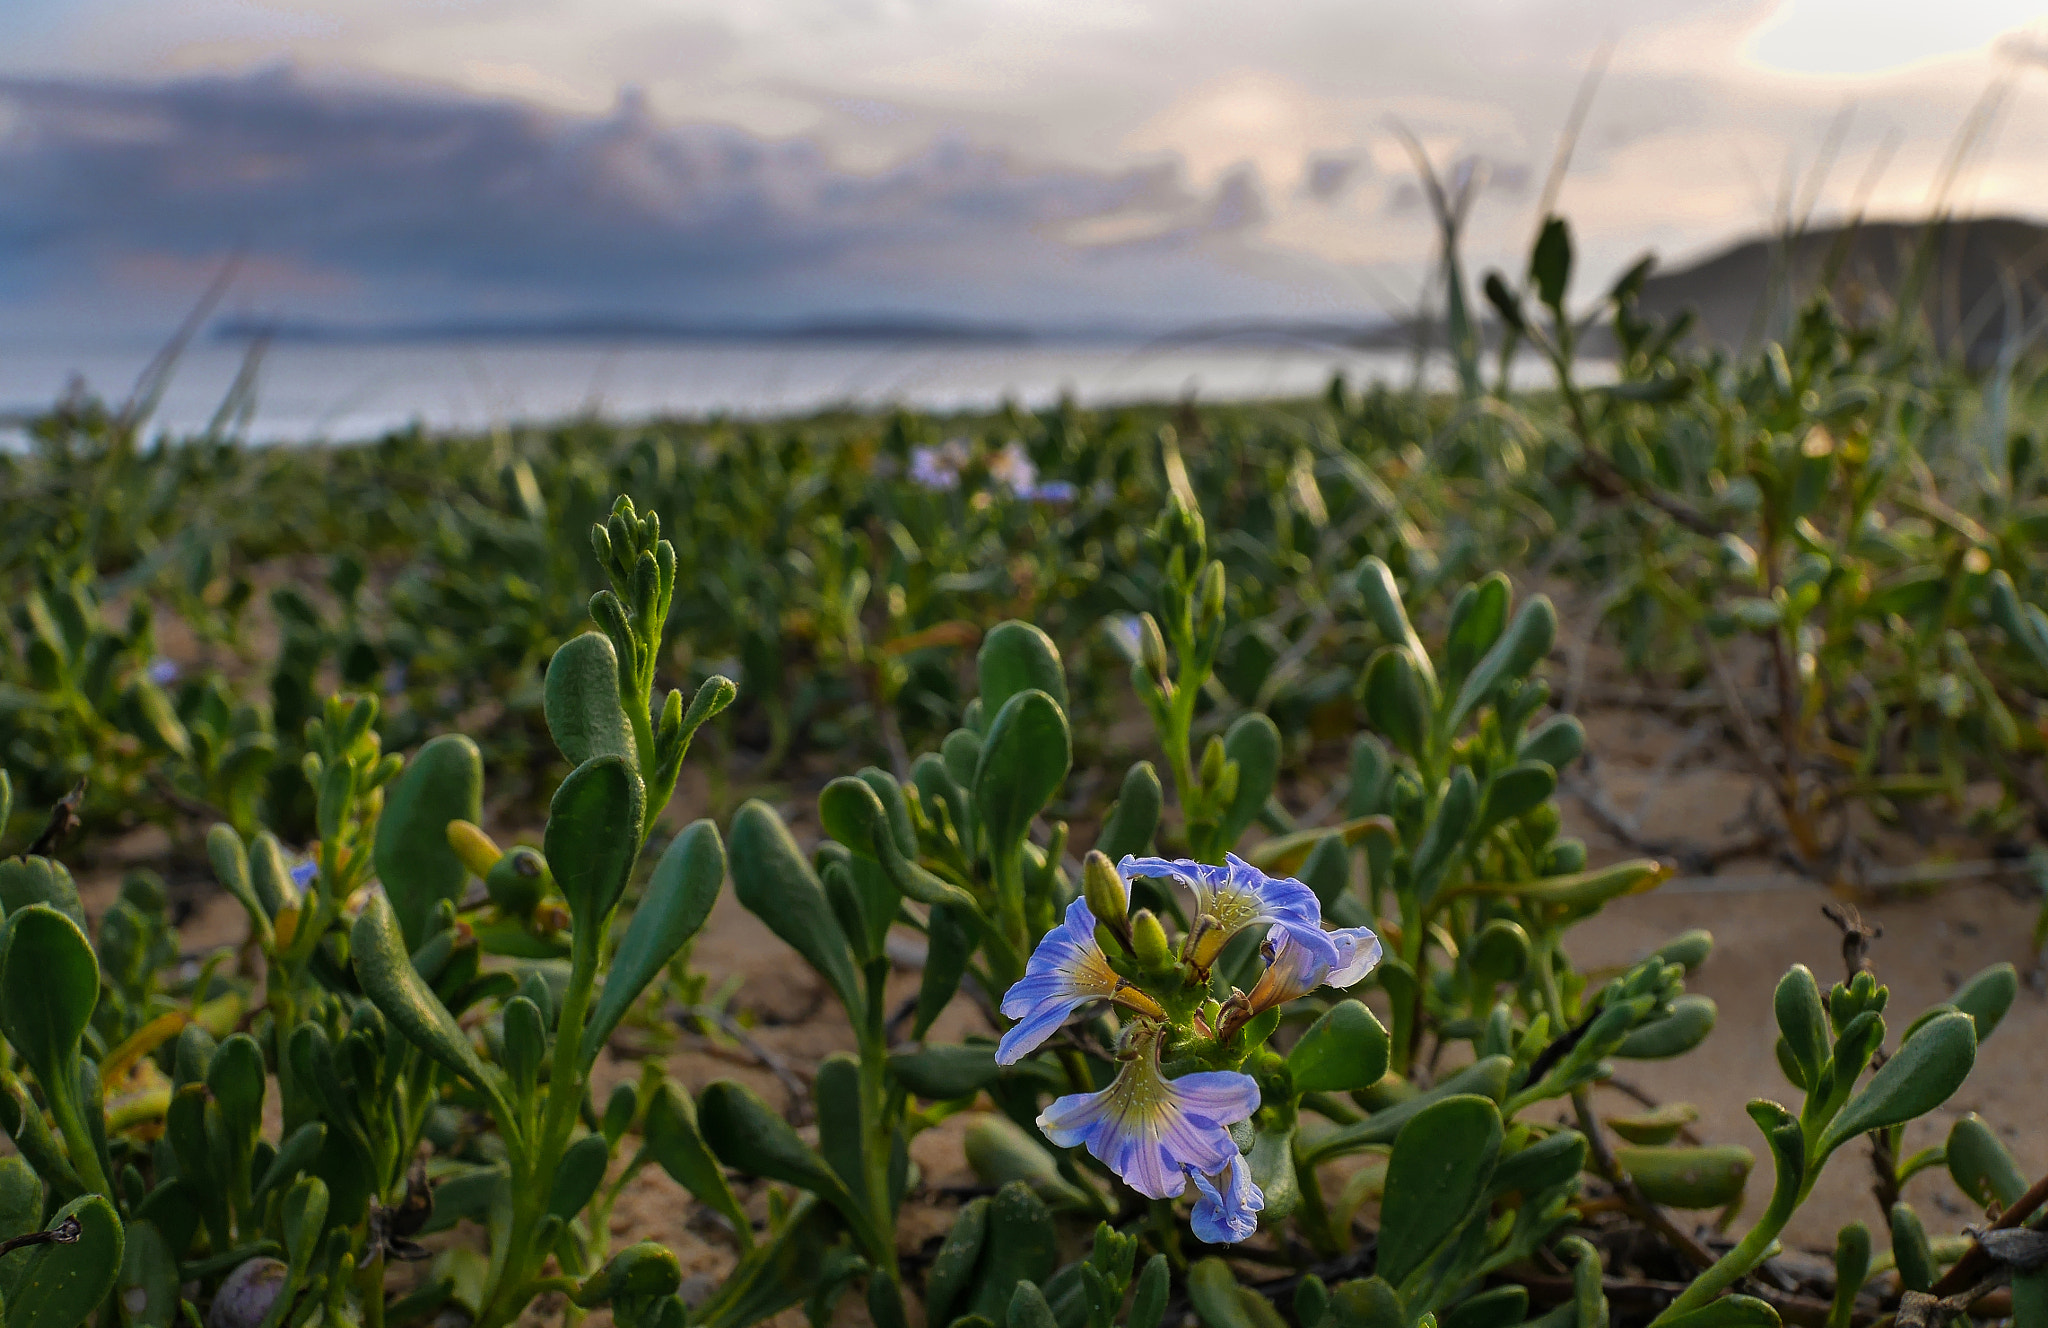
x,y
1152,647
1104,890
1210,597
1149,943
1213,758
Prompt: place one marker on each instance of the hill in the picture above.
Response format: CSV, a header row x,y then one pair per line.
x,y
1980,280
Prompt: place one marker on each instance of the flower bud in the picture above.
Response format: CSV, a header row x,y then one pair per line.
x,y
1107,897
1152,647
474,847
1210,597
1211,773
1149,943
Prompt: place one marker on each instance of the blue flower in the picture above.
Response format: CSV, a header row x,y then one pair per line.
x,y
303,873
163,672
1065,972
1153,1131
1293,971
1228,1207
1238,895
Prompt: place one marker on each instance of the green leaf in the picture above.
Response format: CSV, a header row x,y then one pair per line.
x,y
1028,1309
1446,833
1375,582
1690,1020
1478,617
1395,704
1556,742
1550,263
1919,1077
1514,791
61,1285
999,1151
1017,657
382,966
1852,1269
1686,1177
1344,1050
952,1270
1272,1166
49,984
678,898
1987,996
1441,1163
27,881
304,1214
1212,1291
1148,1300
946,1072
1910,1251
749,1136
1981,1166
1253,741
1134,821
1021,1247
231,868
21,1211
1500,1307
676,1144
836,1090
581,701
147,1288
1660,1126
1500,952
1728,1312
578,1175
949,945
1802,1021
1365,1303
444,782
1487,1075
641,1270
1024,760
1520,649
774,881
1550,1161
593,837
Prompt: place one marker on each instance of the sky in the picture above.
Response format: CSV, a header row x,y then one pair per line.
x,y
1148,163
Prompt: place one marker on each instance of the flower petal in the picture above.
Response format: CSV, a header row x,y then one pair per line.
x,y
1228,1212
1358,953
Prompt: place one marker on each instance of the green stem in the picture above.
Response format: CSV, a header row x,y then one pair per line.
x,y
1314,1213
543,1153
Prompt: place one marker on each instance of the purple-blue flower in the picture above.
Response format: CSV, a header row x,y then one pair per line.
x,y
1154,1131
1293,971
303,873
1237,895
163,672
1065,972
1227,1209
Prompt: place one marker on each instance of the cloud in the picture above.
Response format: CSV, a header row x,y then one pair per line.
x,y
396,202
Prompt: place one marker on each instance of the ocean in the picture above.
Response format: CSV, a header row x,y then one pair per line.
x,y
311,391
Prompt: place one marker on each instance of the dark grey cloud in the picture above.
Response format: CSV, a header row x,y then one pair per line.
x,y
423,204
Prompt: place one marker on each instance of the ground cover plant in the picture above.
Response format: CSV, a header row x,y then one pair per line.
x,y
1279,1023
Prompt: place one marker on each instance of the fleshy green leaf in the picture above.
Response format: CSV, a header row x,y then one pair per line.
x,y
444,782
1442,1161
593,837
581,700
774,881
1344,1050
678,898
